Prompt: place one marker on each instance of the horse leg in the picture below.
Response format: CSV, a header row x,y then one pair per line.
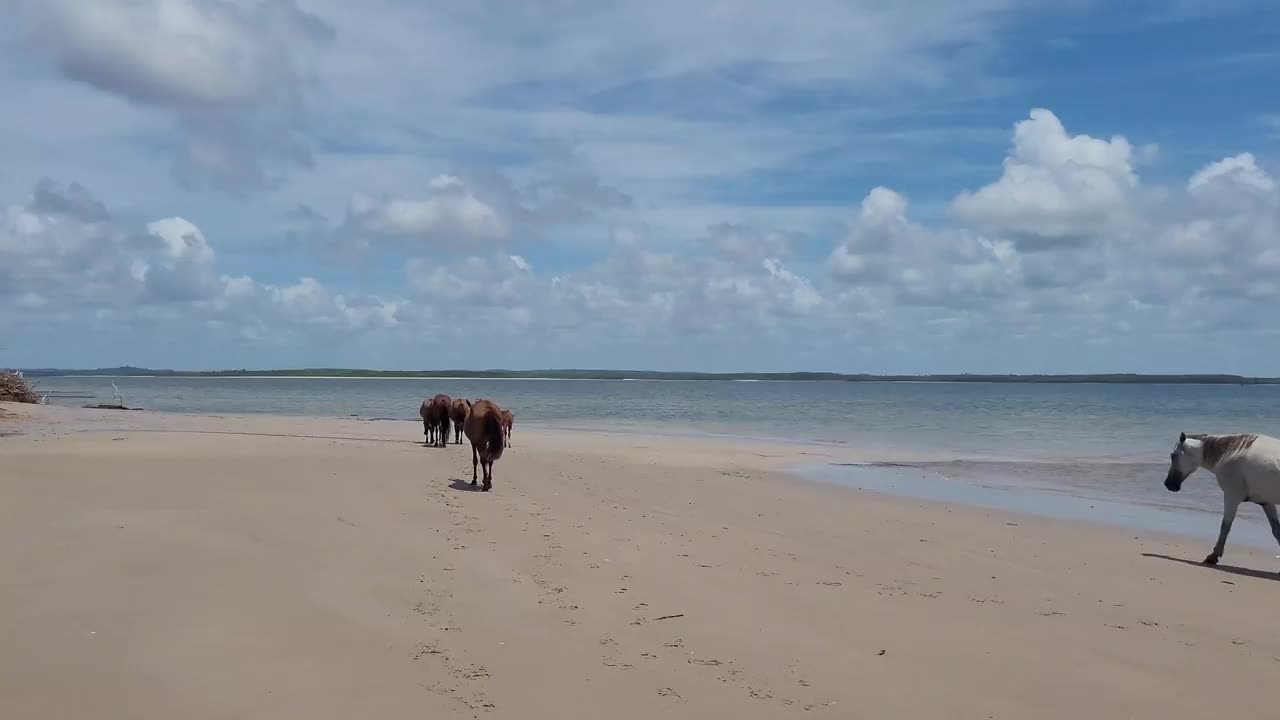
x,y
475,459
426,432
488,475
1273,519
1229,506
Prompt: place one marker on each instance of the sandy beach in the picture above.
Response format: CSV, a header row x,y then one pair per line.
x,y
164,566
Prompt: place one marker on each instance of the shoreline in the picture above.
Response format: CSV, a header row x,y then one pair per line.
x,y
1015,379
896,474
909,482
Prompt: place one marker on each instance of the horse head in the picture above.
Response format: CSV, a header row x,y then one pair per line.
x,y
1183,461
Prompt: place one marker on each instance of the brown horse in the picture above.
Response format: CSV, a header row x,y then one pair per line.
x,y
458,414
483,428
508,419
435,420
428,429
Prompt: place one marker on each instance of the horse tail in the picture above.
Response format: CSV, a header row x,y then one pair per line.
x,y
444,425
493,434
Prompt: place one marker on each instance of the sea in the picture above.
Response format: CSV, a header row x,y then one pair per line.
x,y
1093,452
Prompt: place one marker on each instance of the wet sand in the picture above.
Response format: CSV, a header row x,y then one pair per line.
x,y
180,566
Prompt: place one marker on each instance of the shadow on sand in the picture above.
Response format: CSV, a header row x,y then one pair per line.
x,y
1229,569
463,485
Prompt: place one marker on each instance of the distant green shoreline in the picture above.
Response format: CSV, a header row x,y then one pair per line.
x,y
1113,378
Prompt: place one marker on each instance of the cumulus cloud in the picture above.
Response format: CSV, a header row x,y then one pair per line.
x,y
58,246
1169,262
262,311
1065,233
1233,182
453,214
1056,188
61,252
234,74
745,243
448,213
183,269
475,282
905,262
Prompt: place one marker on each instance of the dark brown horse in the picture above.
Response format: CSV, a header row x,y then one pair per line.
x,y
458,414
435,420
427,430
483,428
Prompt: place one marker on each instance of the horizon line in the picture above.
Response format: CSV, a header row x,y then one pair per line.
x,y
547,373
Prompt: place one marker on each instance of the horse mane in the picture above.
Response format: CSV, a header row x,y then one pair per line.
x,y
489,422
1216,448
438,412
493,434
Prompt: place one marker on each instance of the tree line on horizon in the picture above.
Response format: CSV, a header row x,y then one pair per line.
x,y
585,374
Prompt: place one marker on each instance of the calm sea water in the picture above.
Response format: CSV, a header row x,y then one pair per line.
x,y
1103,442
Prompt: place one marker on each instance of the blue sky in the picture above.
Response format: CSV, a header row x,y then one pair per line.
x,y
990,186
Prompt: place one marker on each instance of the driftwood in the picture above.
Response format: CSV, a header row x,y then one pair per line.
x,y
15,388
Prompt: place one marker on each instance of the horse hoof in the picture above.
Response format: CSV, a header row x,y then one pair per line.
x,y
473,483
1211,560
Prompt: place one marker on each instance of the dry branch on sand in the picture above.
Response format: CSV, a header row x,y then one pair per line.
x,y
15,388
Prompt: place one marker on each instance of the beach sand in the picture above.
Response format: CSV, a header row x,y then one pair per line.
x,y
210,567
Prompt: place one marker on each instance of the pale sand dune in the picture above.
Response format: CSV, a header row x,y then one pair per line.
x,y
200,575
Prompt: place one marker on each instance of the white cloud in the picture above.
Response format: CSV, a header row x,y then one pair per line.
x,y
1189,260
62,252
1056,188
450,213
748,244
233,73
309,302
1231,182
60,246
463,216
474,282
184,267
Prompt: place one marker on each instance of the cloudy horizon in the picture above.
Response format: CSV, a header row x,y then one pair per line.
x,y
861,187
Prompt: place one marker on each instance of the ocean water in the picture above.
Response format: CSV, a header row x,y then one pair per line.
x,y
1053,445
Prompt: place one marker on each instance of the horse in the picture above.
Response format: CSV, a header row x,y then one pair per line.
x,y
1247,466
508,419
458,414
483,428
428,428
435,419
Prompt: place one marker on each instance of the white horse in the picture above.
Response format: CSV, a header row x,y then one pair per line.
x,y
1247,466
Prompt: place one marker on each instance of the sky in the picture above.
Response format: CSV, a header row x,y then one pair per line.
x,y
878,186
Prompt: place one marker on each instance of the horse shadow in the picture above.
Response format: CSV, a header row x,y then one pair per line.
x,y
462,485
1229,569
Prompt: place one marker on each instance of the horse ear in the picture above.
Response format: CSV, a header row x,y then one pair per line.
x,y
1182,438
